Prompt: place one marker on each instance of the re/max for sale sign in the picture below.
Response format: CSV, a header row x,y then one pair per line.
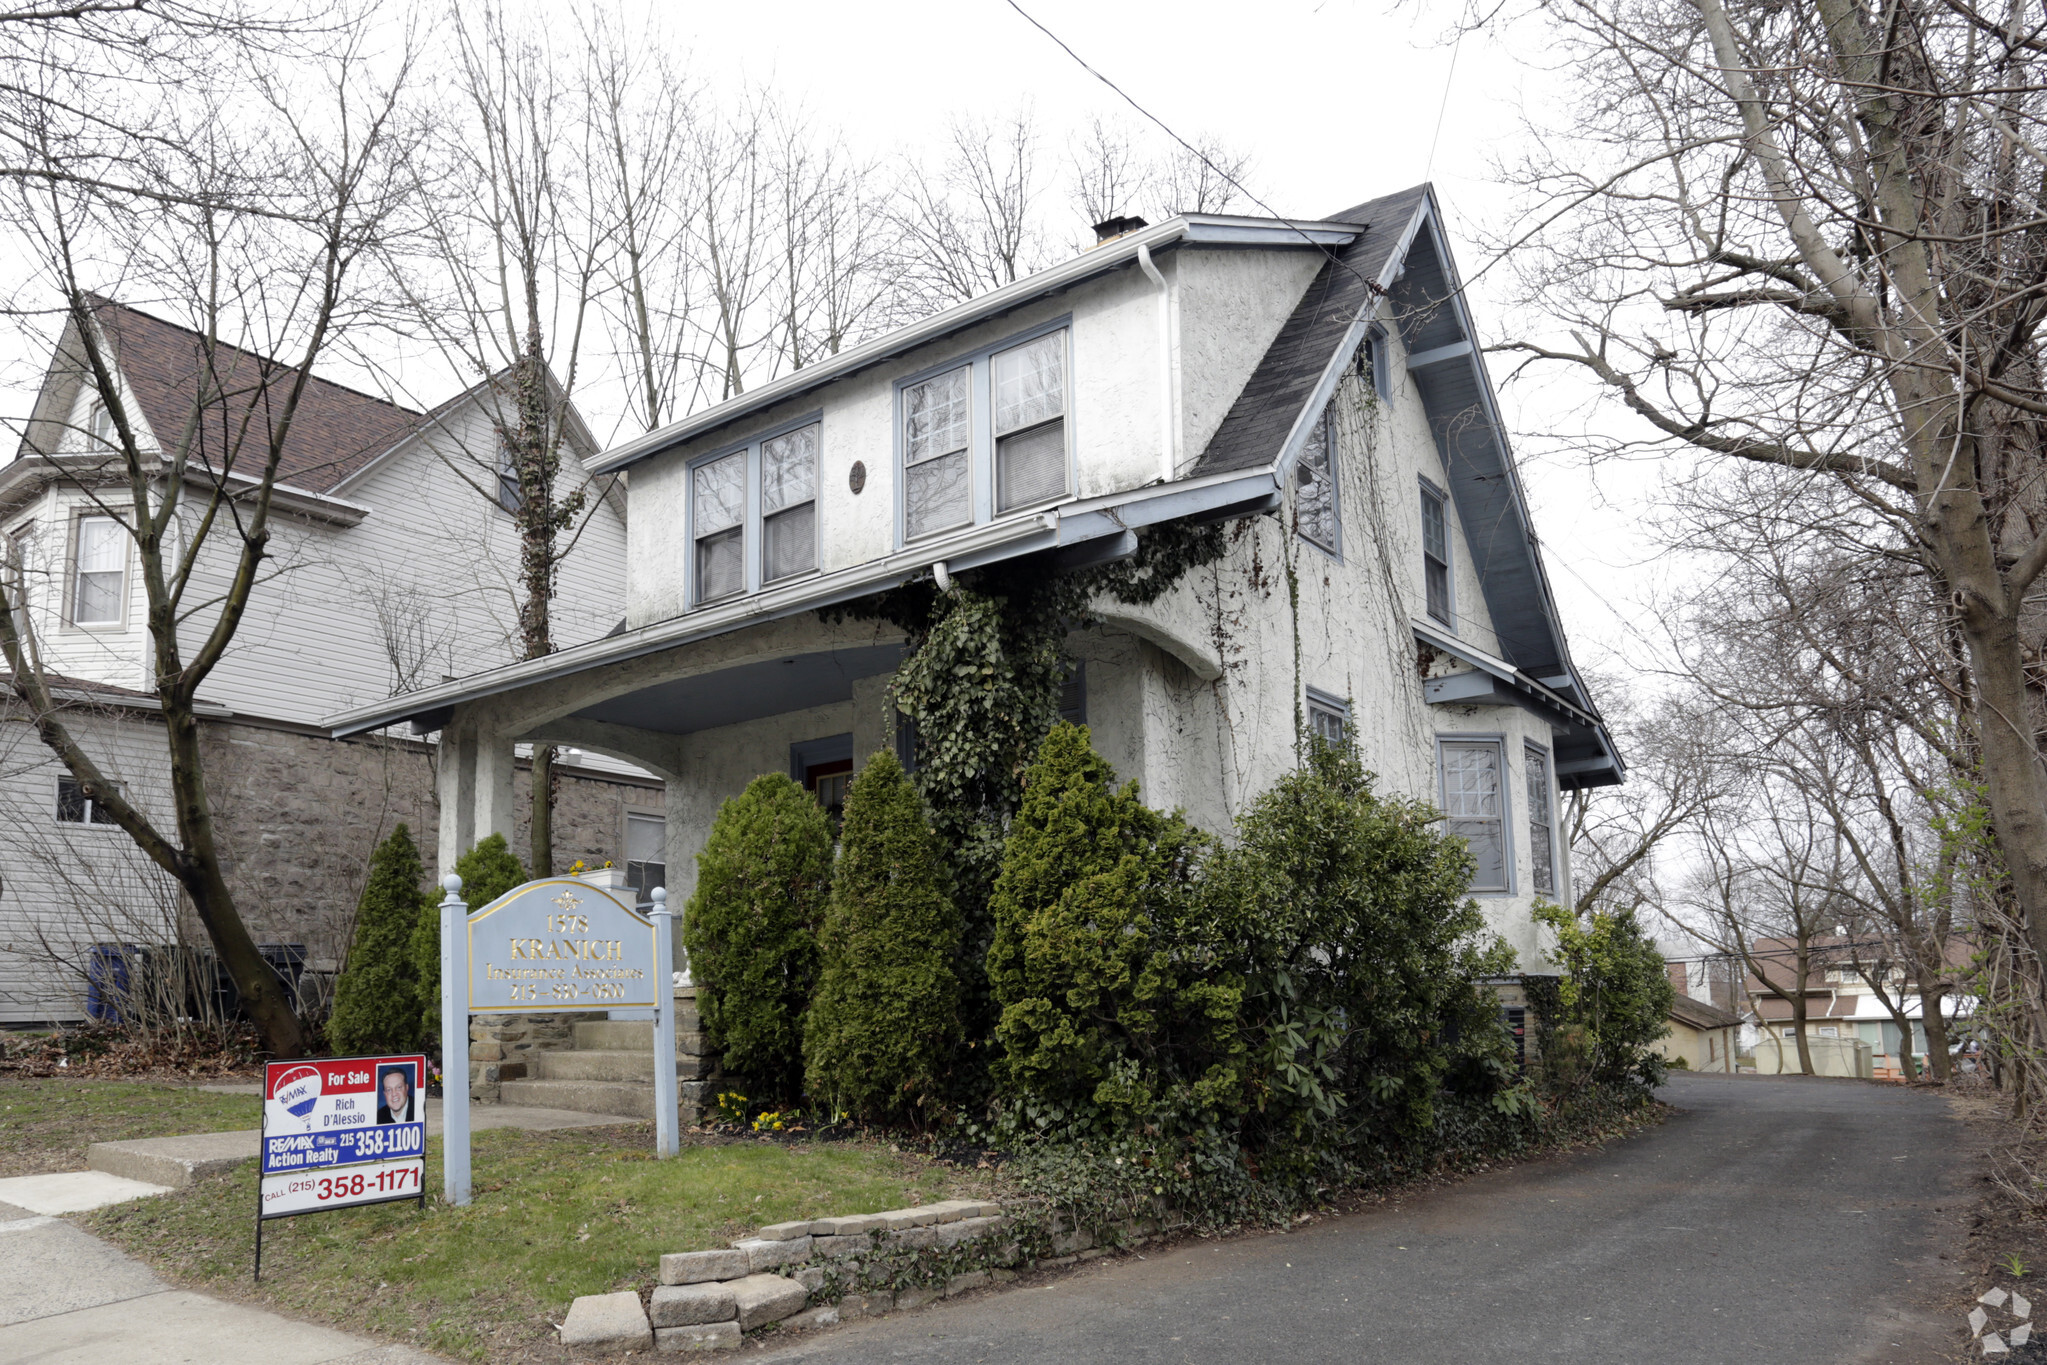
x,y
339,1131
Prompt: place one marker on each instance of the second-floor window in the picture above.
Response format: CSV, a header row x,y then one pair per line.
x,y
1542,852
1315,513
764,496
1435,555
1328,718
74,807
508,479
100,580
987,437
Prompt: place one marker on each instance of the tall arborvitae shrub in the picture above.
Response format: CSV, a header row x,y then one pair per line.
x,y
487,870
376,1001
1113,1014
751,930
886,1016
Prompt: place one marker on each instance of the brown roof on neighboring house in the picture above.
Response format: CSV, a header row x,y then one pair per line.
x,y
335,430
1698,1014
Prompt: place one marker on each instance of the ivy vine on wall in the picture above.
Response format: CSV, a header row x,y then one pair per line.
x,y
980,684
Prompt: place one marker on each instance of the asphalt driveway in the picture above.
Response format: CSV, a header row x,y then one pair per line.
x,y
1774,1219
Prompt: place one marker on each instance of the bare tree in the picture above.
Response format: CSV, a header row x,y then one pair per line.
x,y
973,223
520,241
1811,238
255,212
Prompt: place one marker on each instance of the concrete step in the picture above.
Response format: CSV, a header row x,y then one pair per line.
x,y
623,1098
606,1065
174,1161
635,1035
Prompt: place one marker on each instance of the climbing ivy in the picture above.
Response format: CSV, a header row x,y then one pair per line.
x,y
980,684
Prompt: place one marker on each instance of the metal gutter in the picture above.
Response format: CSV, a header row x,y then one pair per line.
x,y
1191,229
1498,668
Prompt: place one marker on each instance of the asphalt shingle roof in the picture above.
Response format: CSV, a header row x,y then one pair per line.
x,y
335,430
1257,424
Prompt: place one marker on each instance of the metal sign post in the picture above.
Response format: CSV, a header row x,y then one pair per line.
x,y
667,1141
454,1043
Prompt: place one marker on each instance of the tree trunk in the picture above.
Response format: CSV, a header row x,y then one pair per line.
x,y
262,993
541,854
1937,1060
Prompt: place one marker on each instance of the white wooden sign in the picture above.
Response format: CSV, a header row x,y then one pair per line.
x,y
561,944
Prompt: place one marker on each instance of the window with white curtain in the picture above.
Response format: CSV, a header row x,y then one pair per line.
x,y
719,494
1475,802
1541,822
1030,422
99,584
1315,487
789,504
937,435
988,437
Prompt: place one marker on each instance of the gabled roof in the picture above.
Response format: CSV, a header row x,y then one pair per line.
x,y
1401,253
335,430
1700,1014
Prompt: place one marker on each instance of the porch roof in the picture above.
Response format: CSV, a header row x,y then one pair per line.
x,y
1088,530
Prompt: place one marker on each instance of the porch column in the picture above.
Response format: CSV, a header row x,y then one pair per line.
x,y
475,787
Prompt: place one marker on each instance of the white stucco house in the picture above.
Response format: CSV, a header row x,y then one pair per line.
x,y
389,560
1313,383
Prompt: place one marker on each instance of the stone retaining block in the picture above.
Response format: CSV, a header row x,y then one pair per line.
x,y
783,1232
692,1267
690,1305
824,1315
605,1324
763,1299
708,1336
762,1256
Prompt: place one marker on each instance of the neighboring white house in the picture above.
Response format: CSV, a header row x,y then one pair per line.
x,y
1316,384
387,566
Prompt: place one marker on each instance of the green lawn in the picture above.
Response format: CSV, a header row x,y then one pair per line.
x,y
46,1125
558,1214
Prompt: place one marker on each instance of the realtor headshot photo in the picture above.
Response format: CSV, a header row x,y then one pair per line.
x,y
394,1095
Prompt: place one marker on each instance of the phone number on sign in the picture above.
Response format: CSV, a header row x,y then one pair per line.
x,y
332,1189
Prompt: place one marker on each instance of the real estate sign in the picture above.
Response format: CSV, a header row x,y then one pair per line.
x,y
340,1131
561,944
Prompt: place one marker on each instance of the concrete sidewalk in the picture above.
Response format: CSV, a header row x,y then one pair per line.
x,y
176,1162
67,1298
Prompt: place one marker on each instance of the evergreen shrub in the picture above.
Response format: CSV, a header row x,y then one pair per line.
x,y
1612,1004
751,929
885,1020
488,870
1114,1012
376,999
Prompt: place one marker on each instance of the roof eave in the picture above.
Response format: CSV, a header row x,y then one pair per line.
x,y
1192,229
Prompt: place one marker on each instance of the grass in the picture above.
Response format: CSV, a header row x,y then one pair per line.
x,y
555,1215
46,1125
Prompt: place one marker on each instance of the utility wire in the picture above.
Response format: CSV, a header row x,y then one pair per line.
x,y
1372,288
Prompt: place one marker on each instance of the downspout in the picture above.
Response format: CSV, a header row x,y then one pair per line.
x,y
1169,453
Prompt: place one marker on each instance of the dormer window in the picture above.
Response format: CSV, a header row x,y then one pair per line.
x,y
1030,422
986,437
937,480
720,491
753,514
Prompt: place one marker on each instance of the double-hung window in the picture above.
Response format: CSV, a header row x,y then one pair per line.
x,y
100,572
646,854
1541,822
719,491
1328,718
1030,422
508,479
789,504
1315,512
1475,802
1435,554
988,437
753,514
938,477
